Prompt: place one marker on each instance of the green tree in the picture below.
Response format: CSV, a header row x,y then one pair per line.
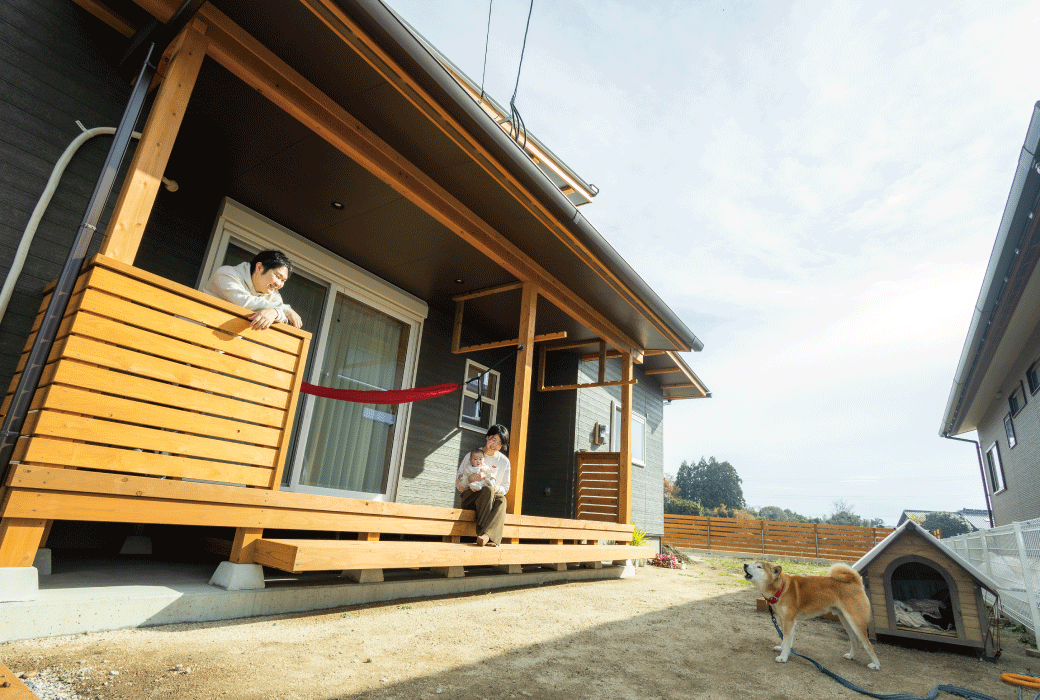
x,y
951,524
785,515
680,506
710,483
844,515
670,492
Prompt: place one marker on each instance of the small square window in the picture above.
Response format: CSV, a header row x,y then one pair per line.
x,y
1017,400
638,435
1033,377
479,398
994,470
1009,428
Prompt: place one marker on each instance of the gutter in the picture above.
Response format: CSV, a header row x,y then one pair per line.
x,y
379,21
1025,189
982,472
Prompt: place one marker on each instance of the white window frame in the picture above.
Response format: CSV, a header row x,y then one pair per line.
x,y
252,231
638,423
994,470
468,392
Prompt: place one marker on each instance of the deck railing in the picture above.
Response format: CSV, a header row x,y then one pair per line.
x,y
599,475
771,538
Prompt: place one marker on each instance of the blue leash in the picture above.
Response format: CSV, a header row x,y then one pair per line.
x,y
932,694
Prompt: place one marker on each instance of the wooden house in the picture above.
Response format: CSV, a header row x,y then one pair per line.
x,y
919,589
430,246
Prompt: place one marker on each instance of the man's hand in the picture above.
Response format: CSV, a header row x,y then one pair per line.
x,y
294,319
263,319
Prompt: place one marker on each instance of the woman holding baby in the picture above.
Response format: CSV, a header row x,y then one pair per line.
x,y
483,481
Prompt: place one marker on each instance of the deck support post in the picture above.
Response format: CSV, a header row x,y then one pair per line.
x,y
363,575
522,396
625,446
449,571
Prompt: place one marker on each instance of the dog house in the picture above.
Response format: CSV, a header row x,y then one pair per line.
x,y
919,589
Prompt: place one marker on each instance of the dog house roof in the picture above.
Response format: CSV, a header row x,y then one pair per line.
x,y
910,526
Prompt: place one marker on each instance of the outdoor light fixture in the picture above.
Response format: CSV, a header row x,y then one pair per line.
x,y
458,281
337,205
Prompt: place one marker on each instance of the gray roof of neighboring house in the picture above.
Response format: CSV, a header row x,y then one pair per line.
x,y
910,526
978,519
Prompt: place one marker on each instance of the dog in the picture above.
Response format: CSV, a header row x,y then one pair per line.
x,y
796,598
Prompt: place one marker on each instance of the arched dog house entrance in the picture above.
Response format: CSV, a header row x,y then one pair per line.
x,y
920,596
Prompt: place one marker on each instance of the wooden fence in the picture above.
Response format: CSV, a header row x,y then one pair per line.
x,y
771,538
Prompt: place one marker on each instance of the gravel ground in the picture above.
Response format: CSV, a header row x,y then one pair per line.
x,y
665,633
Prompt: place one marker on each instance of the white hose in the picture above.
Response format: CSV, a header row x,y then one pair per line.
x,y
41,206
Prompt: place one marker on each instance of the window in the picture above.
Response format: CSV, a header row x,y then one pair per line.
x,y
1033,378
365,335
1009,428
479,398
993,470
1017,400
638,435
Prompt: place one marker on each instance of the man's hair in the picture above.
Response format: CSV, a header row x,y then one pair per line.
x,y
270,259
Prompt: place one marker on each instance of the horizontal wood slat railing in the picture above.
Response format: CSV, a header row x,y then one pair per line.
x,y
599,475
771,538
159,405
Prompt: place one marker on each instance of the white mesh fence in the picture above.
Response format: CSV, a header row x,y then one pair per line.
x,y
1010,555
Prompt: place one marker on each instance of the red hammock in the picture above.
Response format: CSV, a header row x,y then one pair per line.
x,y
380,397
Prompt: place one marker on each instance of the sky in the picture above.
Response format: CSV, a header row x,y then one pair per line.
x,y
813,187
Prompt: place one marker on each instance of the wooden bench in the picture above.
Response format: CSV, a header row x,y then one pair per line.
x,y
154,391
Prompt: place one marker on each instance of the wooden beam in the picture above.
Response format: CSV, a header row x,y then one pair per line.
x,y
602,362
589,385
19,540
522,397
141,185
506,343
244,546
616,354
476,294
663,370
107,16
625,476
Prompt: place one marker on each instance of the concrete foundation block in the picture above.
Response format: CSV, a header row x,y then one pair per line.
x,y
19,583
42,561
559,566
510,568
592,565
628,570
363,575
448,571
238,577
136,544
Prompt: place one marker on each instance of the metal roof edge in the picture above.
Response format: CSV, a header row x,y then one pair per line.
x,y
992,284
881,546
374,13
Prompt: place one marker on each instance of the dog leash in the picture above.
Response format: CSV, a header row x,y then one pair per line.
x,y
932,694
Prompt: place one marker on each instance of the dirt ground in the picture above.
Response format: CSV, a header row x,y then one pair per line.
x,y
690,633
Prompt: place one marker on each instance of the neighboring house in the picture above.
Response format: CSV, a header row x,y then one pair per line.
x,y
429,247
996,387
974,518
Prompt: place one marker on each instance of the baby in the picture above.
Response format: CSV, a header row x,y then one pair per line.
x,y
477,466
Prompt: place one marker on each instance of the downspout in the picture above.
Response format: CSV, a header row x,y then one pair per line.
x,y
44,201
982,472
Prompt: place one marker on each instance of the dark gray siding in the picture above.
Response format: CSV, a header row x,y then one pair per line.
x,y
56,67
1021,463
594,406
550,443
436,443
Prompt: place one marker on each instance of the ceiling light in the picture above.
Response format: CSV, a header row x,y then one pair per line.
x,y
337,205
458,281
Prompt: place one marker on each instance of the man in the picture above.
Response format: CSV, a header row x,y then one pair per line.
x,y
254,285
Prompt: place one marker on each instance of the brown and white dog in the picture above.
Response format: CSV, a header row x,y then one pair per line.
x,y
796,598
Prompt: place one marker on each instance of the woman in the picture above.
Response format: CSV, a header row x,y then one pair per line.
x,y
488,502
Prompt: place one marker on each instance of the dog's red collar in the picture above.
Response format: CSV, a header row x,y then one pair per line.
x,y
776,597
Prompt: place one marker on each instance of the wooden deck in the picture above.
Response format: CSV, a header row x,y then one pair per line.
x,y
159,405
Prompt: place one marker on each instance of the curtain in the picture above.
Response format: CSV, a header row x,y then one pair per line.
x,y
349,445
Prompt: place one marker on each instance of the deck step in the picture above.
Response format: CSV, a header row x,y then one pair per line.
x,y
296,556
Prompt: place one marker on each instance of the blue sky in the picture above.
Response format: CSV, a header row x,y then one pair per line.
x,y
814,187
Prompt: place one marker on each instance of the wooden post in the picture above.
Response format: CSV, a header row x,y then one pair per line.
x,y
244,545
137,197
625,446
19,540
522,397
